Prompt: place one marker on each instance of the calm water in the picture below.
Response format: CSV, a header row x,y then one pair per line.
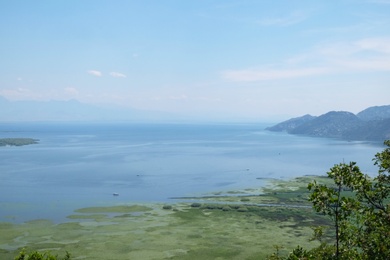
x,y
79,165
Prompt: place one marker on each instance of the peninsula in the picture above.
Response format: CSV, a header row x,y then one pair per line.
x,y
371,124
17,141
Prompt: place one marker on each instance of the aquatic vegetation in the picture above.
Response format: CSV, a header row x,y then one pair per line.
x,y
17,141
219,227
167,207
115,209
35,255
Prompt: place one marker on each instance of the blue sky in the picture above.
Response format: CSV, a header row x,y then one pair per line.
x,y
204,58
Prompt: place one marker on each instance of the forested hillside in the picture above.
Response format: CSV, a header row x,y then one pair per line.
x,y
370,124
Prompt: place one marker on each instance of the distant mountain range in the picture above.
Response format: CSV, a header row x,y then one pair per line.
x,y
71,110
371,124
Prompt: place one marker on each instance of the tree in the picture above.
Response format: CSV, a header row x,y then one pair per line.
x,y
360,209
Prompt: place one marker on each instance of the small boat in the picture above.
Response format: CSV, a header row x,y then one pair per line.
x,y
115,194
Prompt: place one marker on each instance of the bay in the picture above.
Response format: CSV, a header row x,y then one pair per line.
x,y
83,164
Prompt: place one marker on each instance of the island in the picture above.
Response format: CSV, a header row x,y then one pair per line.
x,y
17,141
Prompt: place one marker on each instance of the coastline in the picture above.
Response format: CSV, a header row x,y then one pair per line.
x,y
17,141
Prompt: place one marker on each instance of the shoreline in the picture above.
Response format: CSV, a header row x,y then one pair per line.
x,y
228,227
56,213
17,141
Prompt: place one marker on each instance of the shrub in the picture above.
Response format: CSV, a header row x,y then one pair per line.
x,y
196,205
226,208
35,255
211,206
242,209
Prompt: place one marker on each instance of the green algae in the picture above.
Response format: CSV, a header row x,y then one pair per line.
x,y
115,209
95,217
218,228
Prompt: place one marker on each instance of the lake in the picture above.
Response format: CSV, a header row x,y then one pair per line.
x,y
79,165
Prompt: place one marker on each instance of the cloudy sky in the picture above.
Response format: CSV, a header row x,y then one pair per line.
x,y
238,58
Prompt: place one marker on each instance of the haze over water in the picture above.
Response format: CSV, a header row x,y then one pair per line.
x,y
80,165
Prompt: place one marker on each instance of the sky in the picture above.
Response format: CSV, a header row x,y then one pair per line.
x,y
199,58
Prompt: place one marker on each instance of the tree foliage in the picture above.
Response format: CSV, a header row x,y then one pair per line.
x,y
359,207
35,255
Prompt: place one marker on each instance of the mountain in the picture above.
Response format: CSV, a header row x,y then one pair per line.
x,y
374,113
332,124
372,123
291,124
372,130
70,110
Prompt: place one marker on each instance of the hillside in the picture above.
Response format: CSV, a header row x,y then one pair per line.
x,y
372,124
291,124
374,113
331,124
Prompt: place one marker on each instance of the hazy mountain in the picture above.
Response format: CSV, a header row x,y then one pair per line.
x,y
71,110
374,113
372,130
331,124
370,124
291,124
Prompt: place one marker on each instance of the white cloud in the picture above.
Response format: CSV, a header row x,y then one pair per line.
x,y
117,75
20,94
39,94
364,55
71,91
369,54
271,74
379,1
375,64
375,44
95,73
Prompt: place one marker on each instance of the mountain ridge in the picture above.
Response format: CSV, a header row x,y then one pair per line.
x,y
371,124
70,110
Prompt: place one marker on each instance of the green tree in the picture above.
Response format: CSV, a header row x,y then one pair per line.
x,y
360,209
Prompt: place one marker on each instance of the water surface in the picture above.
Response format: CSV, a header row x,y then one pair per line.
x,y
80,165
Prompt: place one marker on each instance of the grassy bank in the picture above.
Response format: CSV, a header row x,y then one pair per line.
x,y
230,225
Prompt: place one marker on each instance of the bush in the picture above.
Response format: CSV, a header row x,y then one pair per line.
x,y
226,208
242,209
196,205
35,255
211,206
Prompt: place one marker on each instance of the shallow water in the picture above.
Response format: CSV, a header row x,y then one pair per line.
x,y
80,165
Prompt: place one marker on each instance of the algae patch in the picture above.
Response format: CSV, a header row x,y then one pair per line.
x,y
228,227
95,217
115,209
